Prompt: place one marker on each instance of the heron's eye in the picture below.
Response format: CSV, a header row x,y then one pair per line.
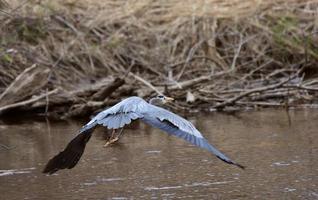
x,y
161,97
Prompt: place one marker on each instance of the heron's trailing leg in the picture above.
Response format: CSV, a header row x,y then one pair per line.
x,y
120,133
111,137
114,138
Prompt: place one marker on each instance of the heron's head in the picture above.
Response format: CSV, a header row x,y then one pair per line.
x,y
160,100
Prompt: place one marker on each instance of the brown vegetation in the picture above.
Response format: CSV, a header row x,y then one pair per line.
x,y
71,58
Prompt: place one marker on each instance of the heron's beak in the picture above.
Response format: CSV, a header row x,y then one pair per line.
x,y
169,99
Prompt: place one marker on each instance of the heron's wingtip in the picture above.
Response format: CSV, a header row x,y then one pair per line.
x,y
228,161
48,171
70,156
240,166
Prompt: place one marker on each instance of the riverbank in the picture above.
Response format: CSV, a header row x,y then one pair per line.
x,y
72,58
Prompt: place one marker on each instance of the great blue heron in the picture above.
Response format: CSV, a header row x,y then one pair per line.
x,y
124,113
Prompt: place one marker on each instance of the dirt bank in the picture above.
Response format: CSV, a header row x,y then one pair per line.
x,y
71,58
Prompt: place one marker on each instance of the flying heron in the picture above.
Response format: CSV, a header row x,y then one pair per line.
x,y
124,113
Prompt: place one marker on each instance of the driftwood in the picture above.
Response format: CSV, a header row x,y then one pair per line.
x,y
65,98
189,83
146,83
107,91
29,82
97,100
89,89
249,92
25,103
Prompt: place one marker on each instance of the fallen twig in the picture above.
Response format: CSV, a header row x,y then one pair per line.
x,y
188,83
302,87
145,82
31,80
107,91
231,101
6,108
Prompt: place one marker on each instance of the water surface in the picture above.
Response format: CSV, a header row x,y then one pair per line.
x,y
279,150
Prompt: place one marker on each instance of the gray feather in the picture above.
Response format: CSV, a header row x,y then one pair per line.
x,y
198,141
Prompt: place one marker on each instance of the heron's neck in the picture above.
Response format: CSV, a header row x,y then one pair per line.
x,y
155,101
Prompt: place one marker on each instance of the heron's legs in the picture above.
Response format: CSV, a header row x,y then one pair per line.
x,y
111,138
120,133
114,138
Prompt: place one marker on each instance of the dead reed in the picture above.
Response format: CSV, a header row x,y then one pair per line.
x,y
213,54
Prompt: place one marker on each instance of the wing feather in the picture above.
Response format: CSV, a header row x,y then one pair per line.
x,y
119,115
119,120
165,115
180,127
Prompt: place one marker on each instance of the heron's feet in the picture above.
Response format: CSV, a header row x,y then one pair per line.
x,y
113,138
111,141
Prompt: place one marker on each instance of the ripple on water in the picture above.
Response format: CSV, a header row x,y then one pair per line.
x,y
195,184
102,180
9,172
289,189
280,164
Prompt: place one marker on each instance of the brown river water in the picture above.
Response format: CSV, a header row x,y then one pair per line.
x,y
280,151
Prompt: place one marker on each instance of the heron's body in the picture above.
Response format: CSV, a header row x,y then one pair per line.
x,y
124,113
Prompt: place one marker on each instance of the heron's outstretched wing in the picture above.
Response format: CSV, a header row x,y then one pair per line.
x,y
180,127
115,117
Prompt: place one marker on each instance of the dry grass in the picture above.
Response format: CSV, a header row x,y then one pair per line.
x,y
168,42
